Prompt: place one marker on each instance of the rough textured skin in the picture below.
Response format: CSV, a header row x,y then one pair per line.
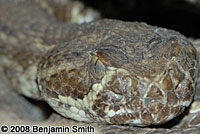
x,y
120,73
105,71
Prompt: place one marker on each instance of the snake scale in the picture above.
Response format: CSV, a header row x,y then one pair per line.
x,y
105,71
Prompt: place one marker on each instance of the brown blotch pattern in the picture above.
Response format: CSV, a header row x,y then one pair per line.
x,y
67,84
167,83
154,92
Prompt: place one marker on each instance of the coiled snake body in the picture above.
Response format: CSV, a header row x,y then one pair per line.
x,y
104,71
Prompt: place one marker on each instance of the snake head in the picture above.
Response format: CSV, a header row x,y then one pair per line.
x,y
121,75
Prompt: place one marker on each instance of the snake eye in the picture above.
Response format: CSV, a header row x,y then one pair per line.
x,y
96,67
104,58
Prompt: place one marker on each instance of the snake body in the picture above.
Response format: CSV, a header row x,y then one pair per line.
x,y
106,71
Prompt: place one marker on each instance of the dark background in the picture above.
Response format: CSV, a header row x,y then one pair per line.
x,y
179,15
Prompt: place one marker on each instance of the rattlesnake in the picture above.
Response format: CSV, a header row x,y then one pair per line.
x,y
105,71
